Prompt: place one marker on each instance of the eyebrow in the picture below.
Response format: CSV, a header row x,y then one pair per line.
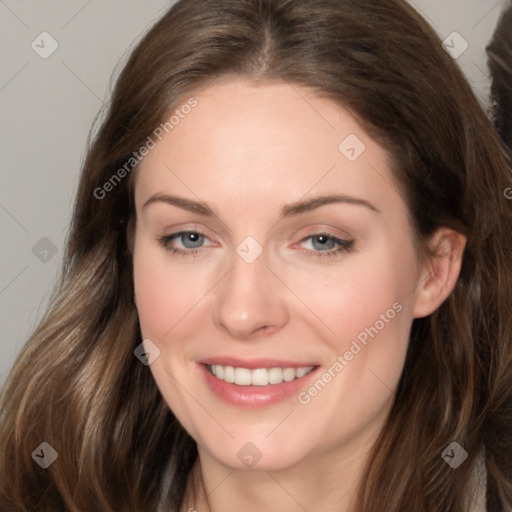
x,y
295,208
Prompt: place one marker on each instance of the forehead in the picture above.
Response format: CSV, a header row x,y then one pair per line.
x,y
244,140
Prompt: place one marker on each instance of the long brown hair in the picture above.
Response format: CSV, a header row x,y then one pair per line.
x,y
77,385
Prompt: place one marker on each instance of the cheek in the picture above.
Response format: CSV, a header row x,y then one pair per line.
x,y
369,308
366,292
165,292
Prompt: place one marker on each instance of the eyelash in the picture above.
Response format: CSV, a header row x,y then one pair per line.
x,y
344,245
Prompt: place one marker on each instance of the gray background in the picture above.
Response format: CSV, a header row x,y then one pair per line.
x,y
47,106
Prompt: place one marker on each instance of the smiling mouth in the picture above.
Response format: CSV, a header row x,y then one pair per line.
x,y
257,377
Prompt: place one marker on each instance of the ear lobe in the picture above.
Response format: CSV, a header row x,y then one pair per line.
x,y
440,272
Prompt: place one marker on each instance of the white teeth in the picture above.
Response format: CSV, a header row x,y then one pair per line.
x,y
259,376
289,374
229,374
301,372
242,376
275,376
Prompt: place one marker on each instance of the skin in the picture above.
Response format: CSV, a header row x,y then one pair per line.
x,y
247,150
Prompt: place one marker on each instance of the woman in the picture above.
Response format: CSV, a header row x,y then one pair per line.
x,y
287,282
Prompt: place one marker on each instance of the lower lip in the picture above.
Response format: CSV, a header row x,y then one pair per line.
x,y
254,396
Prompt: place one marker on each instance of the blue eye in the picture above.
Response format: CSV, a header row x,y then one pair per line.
x,y
324,244
189,239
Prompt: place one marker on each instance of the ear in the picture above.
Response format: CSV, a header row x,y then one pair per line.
x,y
439,273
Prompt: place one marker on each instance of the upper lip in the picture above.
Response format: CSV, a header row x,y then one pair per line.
x,y
253,364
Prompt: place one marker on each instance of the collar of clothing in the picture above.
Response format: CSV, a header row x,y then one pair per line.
x,y
477,486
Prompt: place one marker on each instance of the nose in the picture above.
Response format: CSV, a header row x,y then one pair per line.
x,y
250,300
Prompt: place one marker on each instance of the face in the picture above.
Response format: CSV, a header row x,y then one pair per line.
x,y
273,249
